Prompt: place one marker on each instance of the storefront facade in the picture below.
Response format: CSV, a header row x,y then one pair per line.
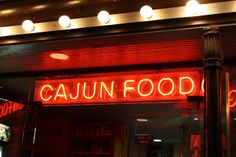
x,y
129,87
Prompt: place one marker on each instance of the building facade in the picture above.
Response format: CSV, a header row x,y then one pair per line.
x,y
125,82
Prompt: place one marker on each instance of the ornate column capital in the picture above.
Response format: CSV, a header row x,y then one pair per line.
x,y
213,54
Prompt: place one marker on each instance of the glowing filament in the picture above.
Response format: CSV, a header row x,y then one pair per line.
x,y
139,87
61,88
202,85
231,99
128,87
181,86
41,92
109,92
94,90
172,84
77,92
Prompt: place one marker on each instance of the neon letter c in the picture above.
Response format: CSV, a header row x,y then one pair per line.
x,y
41,92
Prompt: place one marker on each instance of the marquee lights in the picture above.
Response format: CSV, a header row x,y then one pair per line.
x,y
146,12
64,21
103,17
124,88
5,31
28,25
192,8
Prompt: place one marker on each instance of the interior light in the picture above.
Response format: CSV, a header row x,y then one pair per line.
x,y
157,140
8,11
59,56
39,7
73,2
28,25
64,21
195,118
234,118
5,31
193,8
103,17
4,126
146,12
1,151
142,120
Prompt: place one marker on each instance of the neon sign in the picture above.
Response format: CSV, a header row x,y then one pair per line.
x,y
8,108
118,89
232,98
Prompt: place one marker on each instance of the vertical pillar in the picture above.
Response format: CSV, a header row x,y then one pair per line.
x,y
213,59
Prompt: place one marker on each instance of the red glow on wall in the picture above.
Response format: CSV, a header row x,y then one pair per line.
x,y
118,89
232,98
8,108
195,145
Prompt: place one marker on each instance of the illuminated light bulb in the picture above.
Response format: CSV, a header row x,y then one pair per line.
x,y
59,56
157,140
103,17
193,8
64,21
146,12
28,25
195,118
142,120
5,31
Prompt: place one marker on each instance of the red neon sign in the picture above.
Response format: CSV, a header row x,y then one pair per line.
x,y
123,88
8,108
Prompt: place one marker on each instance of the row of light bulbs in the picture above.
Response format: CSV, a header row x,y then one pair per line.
x,y
104,17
